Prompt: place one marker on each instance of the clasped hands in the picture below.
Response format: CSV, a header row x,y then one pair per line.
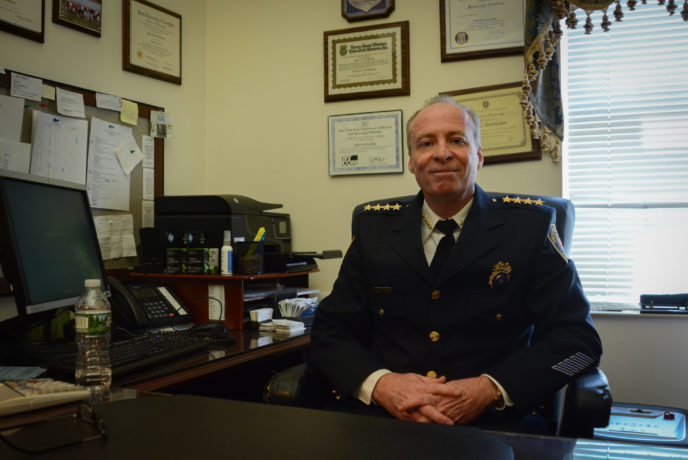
x,y
418,398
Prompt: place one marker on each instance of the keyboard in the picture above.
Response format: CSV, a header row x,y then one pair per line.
x,y
128,355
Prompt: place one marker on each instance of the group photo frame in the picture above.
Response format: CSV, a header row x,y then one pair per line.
x,y
82,15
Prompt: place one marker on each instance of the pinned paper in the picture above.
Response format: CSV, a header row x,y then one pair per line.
x,y
48,92
70,103
148,148
160,124
148,183
27,87
147,213
130,112
105,101
128,155
11,117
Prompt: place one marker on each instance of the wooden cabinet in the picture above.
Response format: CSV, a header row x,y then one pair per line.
x,y
239,290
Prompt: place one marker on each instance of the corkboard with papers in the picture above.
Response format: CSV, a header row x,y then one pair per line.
x,y
101,138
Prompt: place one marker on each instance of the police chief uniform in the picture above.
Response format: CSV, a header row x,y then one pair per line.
x,y
508,303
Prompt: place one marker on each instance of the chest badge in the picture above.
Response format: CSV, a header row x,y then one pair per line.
x,y
501,275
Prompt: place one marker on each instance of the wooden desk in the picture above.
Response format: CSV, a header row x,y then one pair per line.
x,y
250,348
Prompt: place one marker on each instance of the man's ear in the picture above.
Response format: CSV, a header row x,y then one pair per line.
x,y
410,164
480,156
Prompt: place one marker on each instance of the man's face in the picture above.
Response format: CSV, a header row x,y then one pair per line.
x,y
443,154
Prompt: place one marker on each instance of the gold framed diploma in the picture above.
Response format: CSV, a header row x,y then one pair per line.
x,y
504,131
366,143
152,41
25,18
365,62
472,29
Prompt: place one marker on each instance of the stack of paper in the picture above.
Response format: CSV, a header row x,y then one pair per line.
x,y
298,307
282,327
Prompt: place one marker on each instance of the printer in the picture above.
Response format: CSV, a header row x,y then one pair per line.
x,y
211,215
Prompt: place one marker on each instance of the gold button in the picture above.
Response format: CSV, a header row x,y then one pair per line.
x,y
434,336
381,312
432,374
499,316
435,294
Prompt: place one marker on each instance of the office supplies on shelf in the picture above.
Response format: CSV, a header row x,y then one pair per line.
x,y
24,395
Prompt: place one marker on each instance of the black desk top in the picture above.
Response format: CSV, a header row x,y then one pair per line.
x,y
192,427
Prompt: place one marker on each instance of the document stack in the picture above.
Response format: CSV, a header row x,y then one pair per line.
x,y
282,328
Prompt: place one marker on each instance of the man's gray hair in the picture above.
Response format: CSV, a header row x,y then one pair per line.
x,y
444,99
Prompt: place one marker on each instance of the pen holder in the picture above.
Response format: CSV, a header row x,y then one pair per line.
x,y
248,257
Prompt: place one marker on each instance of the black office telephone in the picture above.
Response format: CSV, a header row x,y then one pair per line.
x,y
138,306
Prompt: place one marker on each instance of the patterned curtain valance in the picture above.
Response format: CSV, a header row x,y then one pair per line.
x,y
541,77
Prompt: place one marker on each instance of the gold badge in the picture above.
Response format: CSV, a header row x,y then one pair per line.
x,y
501,274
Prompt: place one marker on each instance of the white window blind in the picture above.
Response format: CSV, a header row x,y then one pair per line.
x,y
626,155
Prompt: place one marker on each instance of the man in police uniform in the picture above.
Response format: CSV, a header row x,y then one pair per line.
x,y
483,339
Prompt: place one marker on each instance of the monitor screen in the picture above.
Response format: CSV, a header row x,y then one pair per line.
x,y
48,242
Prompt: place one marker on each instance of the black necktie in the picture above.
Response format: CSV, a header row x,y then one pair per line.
x,y
444,247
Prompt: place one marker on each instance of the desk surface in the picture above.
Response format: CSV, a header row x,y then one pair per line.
x,y
195,427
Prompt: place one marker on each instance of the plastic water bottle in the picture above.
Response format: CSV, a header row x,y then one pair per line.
x,y
92,324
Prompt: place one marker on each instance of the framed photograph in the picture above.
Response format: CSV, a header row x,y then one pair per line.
x,y
152,41
505,133
25,18
82,15
364,62
358,10
366,143
471,29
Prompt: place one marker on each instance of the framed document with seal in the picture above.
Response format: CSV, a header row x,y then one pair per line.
x,y
25,18
364,62
504,131
366,143
472,29
152,41
357,10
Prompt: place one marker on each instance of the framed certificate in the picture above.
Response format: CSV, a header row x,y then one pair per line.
x,y
152,41
25,18
357,10
504,131
86,17
472,29
364,62
366,143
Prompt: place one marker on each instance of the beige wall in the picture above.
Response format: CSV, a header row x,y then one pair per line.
x,y
267,121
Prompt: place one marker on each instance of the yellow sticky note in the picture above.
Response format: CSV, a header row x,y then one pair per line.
x,y
130,112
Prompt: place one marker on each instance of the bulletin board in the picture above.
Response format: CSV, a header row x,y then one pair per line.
x,y
136,176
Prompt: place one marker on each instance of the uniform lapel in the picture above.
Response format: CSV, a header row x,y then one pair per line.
x,y
406,239
478,235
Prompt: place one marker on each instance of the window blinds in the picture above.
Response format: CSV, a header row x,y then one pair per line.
x,y
626,156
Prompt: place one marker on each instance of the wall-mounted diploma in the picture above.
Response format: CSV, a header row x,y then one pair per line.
x,y
153,41
505,133
480,28
367,62
366,143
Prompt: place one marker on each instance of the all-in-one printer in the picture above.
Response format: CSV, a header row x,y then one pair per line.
x,y
244,216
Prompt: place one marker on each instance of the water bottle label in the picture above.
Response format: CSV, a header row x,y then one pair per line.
x,y
92,323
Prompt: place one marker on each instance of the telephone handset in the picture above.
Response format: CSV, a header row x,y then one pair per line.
x,y
145,306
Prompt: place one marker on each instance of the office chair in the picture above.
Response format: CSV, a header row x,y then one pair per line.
x,y
574,411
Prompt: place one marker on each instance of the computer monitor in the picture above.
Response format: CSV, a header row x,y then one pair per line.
x,y
48,242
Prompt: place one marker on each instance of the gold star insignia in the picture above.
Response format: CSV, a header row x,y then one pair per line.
x,y
367,207
517,200
396,207
539,202
528,201
386,207
506,199
377,207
